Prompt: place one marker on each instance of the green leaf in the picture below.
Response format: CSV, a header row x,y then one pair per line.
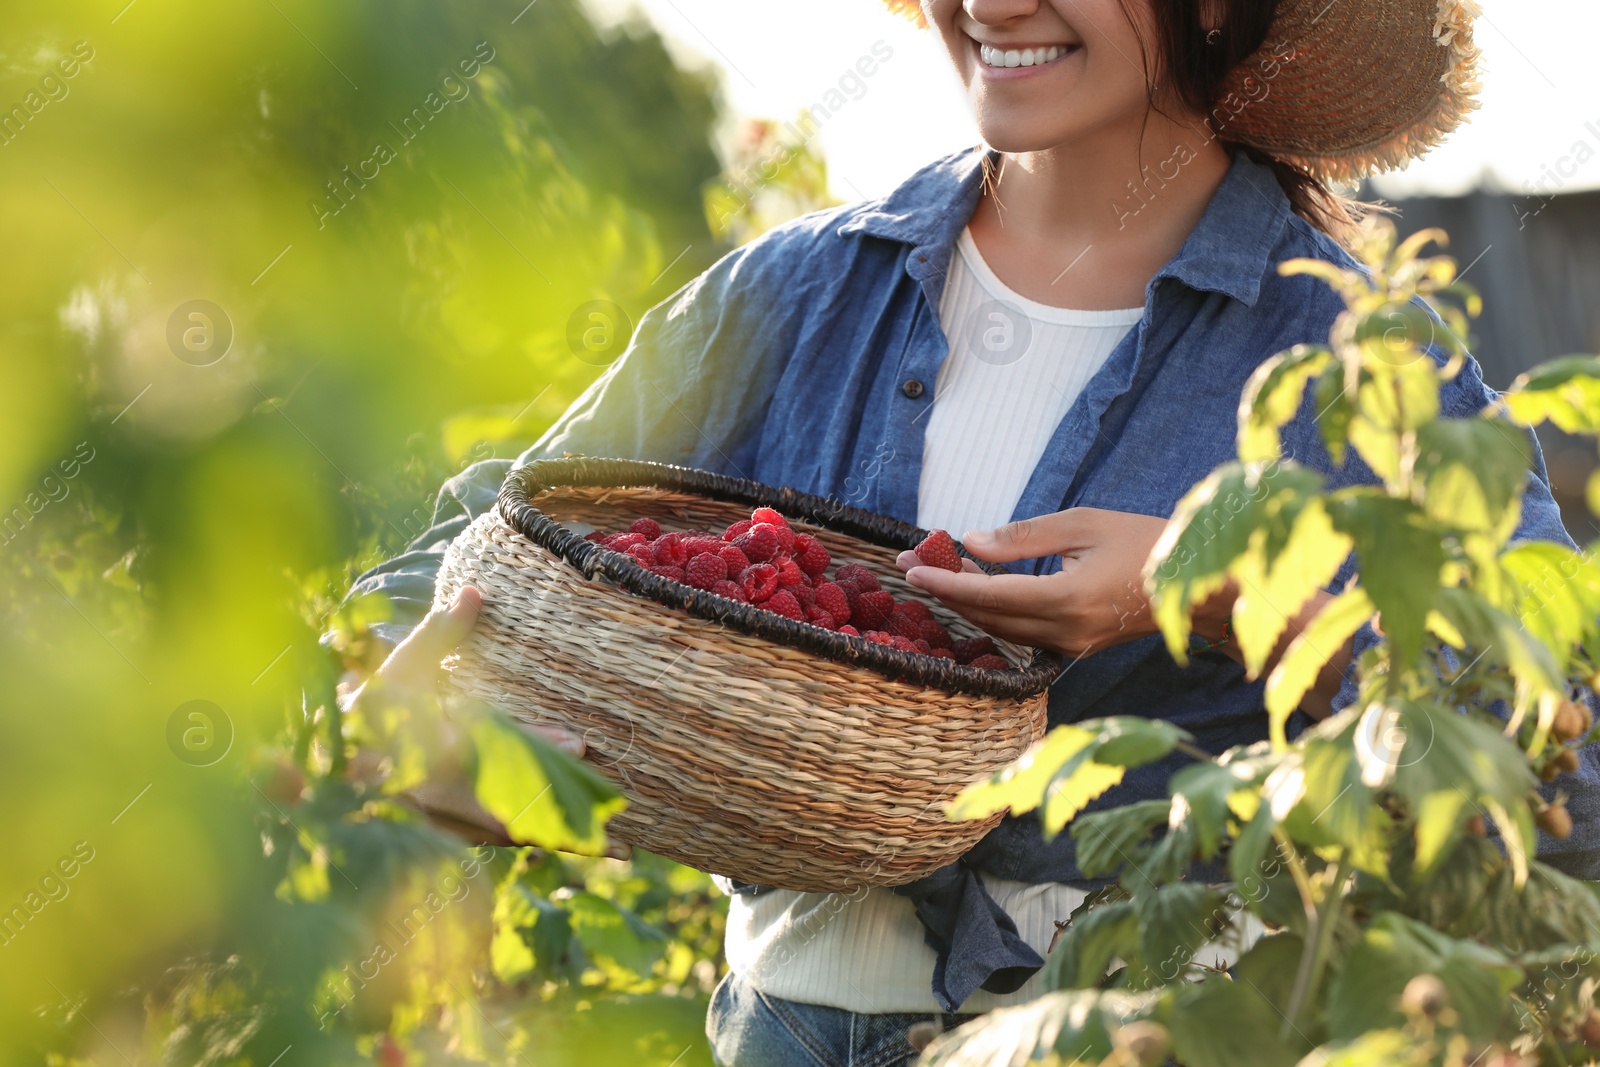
x,y
1400,397
1395,949
1132,740
1108,839
531,935
1400,555
1221,1023
1564,391
1075,1026
1309,652
1391,1048
1173,923
1449,759
1214,525
1558,593
1278,578
1475,624
1272,396
1091,941
542,796
1270,967
1057,773
1067,769
1200,795
1336,406
613,933
1473,472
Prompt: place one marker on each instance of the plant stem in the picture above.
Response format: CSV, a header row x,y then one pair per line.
x,y
1194,752
336,752
1321,935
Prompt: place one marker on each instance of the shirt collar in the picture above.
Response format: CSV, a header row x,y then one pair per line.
x,y
1229,250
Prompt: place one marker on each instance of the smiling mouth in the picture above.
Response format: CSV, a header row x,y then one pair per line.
x,y
1023,57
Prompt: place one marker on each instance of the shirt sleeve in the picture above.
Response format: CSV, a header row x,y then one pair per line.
x,y
692,387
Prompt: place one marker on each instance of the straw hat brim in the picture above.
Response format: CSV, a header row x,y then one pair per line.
x,y
1348,88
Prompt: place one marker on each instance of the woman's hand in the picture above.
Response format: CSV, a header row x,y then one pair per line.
x,y
408,676
1096,599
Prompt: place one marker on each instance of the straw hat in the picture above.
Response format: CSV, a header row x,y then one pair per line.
x,y
1347,88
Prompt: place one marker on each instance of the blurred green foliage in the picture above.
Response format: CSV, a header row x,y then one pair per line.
x,y
392,212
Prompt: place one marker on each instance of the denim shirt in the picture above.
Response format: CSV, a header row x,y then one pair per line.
x,y
808,357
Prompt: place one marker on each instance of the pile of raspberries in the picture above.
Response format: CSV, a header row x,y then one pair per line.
x,y
762,561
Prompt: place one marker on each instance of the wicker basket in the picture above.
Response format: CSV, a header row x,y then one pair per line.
x,y
746,743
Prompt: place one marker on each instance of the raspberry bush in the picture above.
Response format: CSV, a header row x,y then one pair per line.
x,y
1390,851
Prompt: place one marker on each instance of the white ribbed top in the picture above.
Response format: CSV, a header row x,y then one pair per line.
x,y
1015,367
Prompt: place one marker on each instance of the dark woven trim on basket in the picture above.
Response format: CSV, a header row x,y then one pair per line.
x,y
593,561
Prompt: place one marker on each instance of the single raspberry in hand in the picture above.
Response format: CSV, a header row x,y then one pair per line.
x,y
938,549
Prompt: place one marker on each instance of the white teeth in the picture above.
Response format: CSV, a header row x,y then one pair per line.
x,y
1026,57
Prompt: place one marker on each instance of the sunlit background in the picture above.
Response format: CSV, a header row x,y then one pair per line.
x,y
274,270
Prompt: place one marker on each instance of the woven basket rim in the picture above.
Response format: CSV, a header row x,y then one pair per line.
x,y
593,561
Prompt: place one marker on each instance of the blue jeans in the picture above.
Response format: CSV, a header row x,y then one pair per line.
x,y
749,1028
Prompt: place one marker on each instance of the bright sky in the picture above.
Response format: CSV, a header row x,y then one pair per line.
x,y
1539,101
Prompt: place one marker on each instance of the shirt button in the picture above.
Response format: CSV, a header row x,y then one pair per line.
x,y
912,388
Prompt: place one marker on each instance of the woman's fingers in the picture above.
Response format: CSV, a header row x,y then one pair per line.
x,y
563,740
416,659
1045,535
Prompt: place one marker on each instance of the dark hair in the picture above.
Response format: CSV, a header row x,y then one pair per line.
x,y
1190,73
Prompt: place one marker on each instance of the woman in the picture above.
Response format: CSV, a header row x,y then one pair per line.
x,y
1041,341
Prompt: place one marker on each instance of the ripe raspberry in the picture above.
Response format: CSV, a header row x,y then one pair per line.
x,y
857,575
991,663
737,561
783,603
790,574
938,549
804,594
760,544
705,570
811,554
832,599
623,541
916,609
902,644
878,637
932,632
650,528
970,648
874,610
851,630
818,617
922,646
903,626
666,570
737,530
670,549
942,653
786,539
643,555
700,544
597,536
731,590
769,516
759,581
